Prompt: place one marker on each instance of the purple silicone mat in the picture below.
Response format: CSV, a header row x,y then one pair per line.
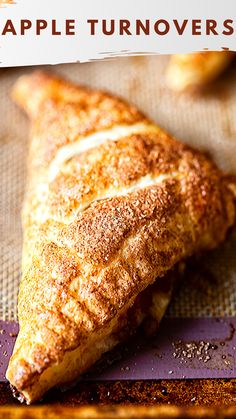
x,y
182,348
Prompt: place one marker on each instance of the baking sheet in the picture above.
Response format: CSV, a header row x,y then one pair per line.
x,y
183,348
206,122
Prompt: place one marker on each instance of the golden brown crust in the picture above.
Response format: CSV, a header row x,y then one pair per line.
x,y
67,113
101,228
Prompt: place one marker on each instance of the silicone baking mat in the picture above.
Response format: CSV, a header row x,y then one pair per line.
x,y
206,121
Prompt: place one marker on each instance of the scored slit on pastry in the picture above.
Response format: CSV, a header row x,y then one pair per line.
x,y
105,226
94,140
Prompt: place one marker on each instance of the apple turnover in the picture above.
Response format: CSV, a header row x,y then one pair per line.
x,y
113,205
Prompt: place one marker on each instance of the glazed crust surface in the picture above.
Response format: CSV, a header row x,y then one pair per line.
x,y
113,203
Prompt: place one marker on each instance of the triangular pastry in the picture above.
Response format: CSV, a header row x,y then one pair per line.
x,y
194,71
113,204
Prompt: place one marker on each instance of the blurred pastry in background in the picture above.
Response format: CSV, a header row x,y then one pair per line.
x,y
3,2
194,71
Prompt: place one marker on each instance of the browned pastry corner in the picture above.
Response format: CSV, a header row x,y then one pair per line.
x,y
113,204
194,71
